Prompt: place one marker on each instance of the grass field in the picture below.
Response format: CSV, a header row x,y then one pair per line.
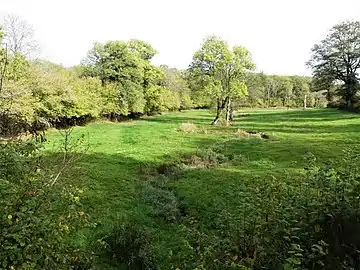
x,y
122,188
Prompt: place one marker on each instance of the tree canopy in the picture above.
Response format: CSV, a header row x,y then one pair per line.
x,y
117,79
222,71
19,37
336,60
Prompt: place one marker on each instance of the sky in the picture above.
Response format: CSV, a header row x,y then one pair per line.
x,y
278,33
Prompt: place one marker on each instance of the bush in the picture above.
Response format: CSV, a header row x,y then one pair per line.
x,y
328,229
205,159
313,224
187,127
38,212
163,201
128,247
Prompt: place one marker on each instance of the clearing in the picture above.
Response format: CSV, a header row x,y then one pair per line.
x,y
131,181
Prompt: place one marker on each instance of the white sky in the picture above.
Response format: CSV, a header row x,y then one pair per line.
x,y
278,33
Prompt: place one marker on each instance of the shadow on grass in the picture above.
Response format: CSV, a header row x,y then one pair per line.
x,y
212,196
318,129
111,181
262,119
311,115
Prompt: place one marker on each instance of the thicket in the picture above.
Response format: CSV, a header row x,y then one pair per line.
x,y
40,206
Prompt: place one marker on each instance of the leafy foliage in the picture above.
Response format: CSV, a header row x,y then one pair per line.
x,y
38,211
336,60
116,80
139,87
221,72
129,247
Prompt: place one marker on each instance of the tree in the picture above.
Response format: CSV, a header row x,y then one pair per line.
x,y
3,60
272,89
255,83
175,82
16,101
19,37
140,85
301,89
285,90
120,63
336,60
222,72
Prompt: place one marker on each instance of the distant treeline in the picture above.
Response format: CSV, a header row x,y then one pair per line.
x,y
117,80
273,91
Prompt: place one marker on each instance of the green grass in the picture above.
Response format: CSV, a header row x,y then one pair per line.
x,y
112,171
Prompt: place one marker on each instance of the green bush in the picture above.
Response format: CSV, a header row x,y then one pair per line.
x,y
327,215
38,212
162,200
129,247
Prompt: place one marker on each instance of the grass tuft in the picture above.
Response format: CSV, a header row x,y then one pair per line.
x,y
187,127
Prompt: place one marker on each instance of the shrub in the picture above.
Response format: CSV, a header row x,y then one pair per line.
x,y
329,228
205,159
38,214
313,224
162,200
187,127
168,169
128,246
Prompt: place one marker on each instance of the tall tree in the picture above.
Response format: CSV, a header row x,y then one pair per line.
x,y
19,37
285,90
301,89
222,72
255,83
127,66
336,59
175,82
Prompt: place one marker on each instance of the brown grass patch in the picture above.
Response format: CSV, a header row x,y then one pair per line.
x,y
205,159
187,127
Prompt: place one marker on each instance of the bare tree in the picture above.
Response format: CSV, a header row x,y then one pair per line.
x,y
19,37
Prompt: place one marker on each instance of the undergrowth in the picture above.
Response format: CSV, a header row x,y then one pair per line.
x,y
40,209
308,223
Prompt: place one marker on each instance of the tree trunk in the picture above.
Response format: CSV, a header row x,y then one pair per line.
x,y
218,113
216,119
220,107
232,113
228,111
305,102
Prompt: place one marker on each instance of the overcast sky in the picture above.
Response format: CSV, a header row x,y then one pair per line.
x,y
278,33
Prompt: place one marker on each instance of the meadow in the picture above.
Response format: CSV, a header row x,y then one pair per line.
x,y
159,197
